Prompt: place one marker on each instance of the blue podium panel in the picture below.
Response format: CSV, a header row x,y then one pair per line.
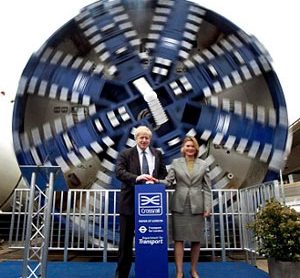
x,y
151,242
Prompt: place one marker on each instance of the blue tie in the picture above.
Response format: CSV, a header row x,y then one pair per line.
x,y
145,166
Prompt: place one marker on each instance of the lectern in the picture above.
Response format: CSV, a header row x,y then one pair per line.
x,y
151,241
44,180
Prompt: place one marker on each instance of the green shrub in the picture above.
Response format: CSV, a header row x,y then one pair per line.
x,y
277,228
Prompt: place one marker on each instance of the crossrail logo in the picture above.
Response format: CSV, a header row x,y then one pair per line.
x,y
150,204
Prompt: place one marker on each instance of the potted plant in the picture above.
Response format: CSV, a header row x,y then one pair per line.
x,y
277,230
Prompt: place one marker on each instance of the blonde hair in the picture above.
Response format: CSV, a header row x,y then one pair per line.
x,y
142,130
195,142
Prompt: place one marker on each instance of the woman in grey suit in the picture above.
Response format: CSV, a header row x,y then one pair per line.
x,y
190,203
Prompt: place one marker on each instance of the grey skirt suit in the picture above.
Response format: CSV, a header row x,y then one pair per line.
x,y
191,198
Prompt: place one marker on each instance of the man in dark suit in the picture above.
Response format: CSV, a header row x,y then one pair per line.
x,y
139,164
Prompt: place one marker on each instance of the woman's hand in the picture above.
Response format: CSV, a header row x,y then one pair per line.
x,y
206,214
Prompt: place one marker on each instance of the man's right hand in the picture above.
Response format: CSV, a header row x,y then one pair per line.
x,y
145,178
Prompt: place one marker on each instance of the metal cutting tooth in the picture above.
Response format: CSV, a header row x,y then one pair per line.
x,y
74,159
192,27
261,114
239,57
69,120
189,36
189,64
64,92
36,137
226,104
167,3
116,10
98,125
85,23
47,131
210,160
86,154
103,177
185,83
21,86
218,50
246,73
53,91
112,118
57,57
108,141
226,45
92,110
221,183
276,162
112,153
218,138
215,172
164,11
156,27
62,164
235,40
195,19
255,68
217,87
67,141
174,141
242,145
24,138
66,62
272,117
95,40
207,92
77,63
183,54
32,85
206,135
75,97
283,120
230,142
208,54
123,113
191,132
265,63
108,165
120,18
237,108
130,142
249,111
46,54
96,147
35,156
126,26
254,149
214,101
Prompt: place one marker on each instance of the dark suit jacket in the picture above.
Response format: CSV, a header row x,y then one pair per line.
x,y
127,170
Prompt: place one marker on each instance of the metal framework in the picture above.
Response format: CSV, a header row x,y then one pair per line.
x,y
37,226
88,221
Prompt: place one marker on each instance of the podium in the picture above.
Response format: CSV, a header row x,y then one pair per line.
x,y
44,180
151,240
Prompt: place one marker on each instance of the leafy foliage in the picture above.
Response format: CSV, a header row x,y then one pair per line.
x,y
277,228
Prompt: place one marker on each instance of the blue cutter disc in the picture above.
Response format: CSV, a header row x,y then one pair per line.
x,y
171,65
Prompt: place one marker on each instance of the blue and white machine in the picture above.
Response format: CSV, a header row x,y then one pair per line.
x,y
169,64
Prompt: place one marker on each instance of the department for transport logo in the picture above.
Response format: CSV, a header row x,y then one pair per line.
x,y
150,204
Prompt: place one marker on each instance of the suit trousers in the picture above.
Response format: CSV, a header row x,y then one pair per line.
x,y
125,252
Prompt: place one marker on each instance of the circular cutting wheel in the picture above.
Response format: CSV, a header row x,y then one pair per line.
x,y
171,65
